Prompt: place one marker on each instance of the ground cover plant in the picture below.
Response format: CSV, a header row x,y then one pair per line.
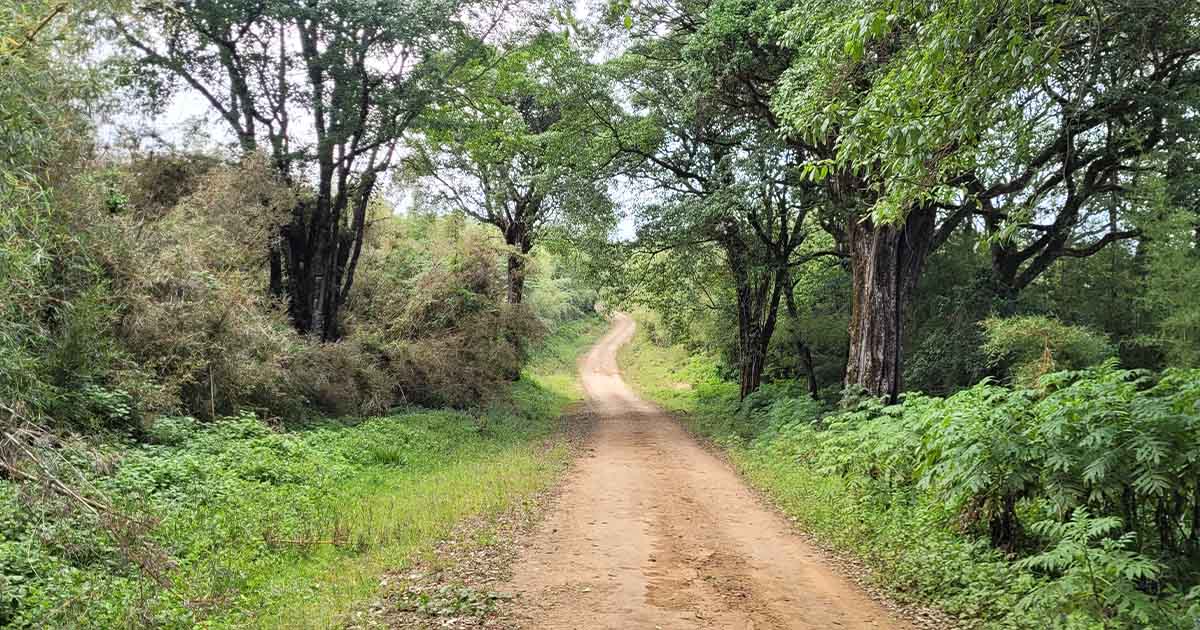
x,y
237,523
1068,505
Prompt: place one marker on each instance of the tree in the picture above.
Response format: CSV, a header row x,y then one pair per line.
x,y
326,88
1109,105
719,179
912,109
515,148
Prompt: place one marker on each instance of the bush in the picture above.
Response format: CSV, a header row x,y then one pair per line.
x,y
993,501
127,297
427,323
193,302
444,336
1030,346
1024,469
344,378
1096,575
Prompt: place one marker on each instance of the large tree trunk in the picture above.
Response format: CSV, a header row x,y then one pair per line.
x,y
318,260
885,262
754,342
806,359
756,324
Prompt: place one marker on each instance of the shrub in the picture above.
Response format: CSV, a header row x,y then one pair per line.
x,y
444,336
154,185
977,453
127,296
1097,576
1121,444
340,379
172,430
1030,346
191,292
1088,481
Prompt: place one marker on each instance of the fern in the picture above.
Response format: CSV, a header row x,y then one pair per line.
x,y
1097,574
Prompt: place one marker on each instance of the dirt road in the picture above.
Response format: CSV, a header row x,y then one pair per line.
x,y
652,531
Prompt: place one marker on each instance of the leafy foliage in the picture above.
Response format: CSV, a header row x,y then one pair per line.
x,y
1069,505
54,302
1098,577
1034,346
244,523
519,150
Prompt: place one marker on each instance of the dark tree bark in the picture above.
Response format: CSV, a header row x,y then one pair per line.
x,y
759,290
885,264
275,260
517,237
803,352
519,215
806,360
516,278
1071,179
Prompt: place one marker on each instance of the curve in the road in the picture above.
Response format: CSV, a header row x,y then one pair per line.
x,y
653,531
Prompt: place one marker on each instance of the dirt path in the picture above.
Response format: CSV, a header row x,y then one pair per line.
x,y
652,531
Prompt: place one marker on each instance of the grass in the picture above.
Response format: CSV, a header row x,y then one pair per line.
x,y
912,555
839,484
408,511
257,528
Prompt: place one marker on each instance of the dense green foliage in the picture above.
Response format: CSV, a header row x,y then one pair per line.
x,y
167,453
518,150
51,292
947,250
988,194
964,159
235,522
1072,505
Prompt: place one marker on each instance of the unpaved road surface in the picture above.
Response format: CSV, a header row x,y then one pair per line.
x,y
652,531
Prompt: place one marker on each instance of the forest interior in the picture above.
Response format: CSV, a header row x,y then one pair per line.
x,y
662,314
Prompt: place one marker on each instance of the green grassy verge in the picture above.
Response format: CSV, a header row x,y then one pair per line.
x,y
838,479
252,527
904,551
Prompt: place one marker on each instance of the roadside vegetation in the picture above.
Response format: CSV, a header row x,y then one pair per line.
x,y
1066,503
288,287
235,523
229,396
928,271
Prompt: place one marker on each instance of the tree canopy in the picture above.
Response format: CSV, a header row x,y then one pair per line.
x,y
517,148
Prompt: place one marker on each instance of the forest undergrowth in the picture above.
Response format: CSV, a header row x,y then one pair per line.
x,y
1066,506
235,523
